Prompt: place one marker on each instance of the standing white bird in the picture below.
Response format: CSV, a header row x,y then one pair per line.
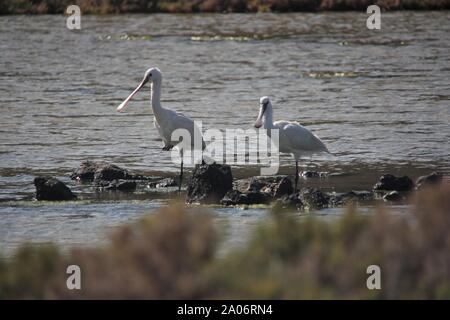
x,y
167,121
293,137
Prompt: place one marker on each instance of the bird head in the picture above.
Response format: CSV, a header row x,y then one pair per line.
x,y
151,75
263,103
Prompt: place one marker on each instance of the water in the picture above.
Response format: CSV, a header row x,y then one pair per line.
x,y
379,99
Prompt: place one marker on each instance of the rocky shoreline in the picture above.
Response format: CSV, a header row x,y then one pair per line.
x,y
214,184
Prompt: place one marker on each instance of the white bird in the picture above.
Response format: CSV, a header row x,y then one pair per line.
x,y
293,137
167,121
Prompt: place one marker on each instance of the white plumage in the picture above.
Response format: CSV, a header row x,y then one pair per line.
x,y
293,137
166,120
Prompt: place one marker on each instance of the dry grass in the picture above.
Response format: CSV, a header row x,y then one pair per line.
x,y
172,254
189,6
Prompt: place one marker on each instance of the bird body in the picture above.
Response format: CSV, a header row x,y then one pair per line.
x,y
298,140
293,137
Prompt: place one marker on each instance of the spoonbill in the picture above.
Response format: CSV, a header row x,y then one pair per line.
x,y
293,137
166,120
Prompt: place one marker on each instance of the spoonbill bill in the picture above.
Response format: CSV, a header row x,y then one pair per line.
x,y
293,137
166,120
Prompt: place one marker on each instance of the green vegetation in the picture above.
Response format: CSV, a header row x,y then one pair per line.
x,y
172,254
188,6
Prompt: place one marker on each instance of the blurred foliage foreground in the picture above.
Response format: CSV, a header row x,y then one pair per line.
x,y
172,254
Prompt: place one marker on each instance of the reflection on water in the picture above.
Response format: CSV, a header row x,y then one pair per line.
x,y
379,99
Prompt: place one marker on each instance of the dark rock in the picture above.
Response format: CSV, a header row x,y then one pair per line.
x,y
111,172
314,198
275,186
164,183
256,183
432,179
48,188
234,197
103,171
209,183
119,185
389,182
284,187
393,196
85,172
258,197
90,170
291,201
343,198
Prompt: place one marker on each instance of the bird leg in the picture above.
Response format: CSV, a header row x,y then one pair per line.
x,y
296,176
181,171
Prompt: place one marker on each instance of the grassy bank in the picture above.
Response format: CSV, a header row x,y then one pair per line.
x,y
172,254
189,6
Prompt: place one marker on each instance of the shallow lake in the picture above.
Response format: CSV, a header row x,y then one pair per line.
x,y
380,100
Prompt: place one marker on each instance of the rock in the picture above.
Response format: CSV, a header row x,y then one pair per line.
x,y
49,188
343,198
234,197
103,171
275,186
164,183
284,187
258,197
209,183
432,179
393,196
256,185
90,171
314,198
261,183
258,190
111,172
389,182
119,185
291,201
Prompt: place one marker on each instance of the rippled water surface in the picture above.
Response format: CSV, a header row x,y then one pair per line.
x,y
379,99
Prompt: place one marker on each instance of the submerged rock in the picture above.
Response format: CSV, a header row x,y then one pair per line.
x,y
49,188
209,183
389,182
119,185
431,179
393,196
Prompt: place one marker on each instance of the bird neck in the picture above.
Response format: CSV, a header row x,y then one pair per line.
x,y
156,98
268,118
